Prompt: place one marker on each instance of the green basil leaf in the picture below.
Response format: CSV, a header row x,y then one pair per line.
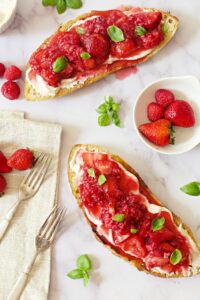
x,y
158,223
118,218
91,173
115,33
74,3
102,109
75,274
101,179
175,257
116,120
140,31
192,188
133,230
104,120
49,2
115,107
60,64
84,263
61,6
86,278
80,30
85,55
164,28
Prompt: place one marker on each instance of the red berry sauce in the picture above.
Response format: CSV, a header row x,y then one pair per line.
x,y
122,194
96,41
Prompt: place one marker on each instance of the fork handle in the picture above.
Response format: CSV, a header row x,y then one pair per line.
x,y
20,285
6,220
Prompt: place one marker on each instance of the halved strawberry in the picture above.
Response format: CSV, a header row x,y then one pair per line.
x,y
96,44
134,246
123,49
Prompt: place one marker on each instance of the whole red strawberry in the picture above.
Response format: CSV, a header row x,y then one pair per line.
x,y
155,111
2,69
180,113
10,90
4,168
12,73
159,132
3,184
164,97
21,160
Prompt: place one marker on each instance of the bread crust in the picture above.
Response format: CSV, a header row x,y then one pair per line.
x,y
136,262
33,95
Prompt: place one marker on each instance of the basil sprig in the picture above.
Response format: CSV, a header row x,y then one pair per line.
x,y
175,257
115,33
109,112
192,188
60,64
140,31
158,223
118,218
84,265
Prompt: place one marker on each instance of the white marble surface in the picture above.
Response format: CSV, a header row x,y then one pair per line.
x,y
112,278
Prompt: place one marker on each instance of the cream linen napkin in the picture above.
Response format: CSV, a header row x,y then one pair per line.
x,y
18,246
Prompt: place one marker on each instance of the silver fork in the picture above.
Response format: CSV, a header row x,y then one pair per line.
x,y
28,188
43,240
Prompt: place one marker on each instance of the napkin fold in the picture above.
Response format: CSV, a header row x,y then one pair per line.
x,y
18,245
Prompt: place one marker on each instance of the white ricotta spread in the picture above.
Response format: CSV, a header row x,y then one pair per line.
x,y
7,13
75,165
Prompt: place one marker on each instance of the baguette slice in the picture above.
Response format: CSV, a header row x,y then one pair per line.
x,y
172,22
194,266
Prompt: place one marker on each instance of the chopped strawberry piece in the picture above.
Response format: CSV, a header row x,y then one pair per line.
x,y
111,187
107,167
151,261
88,159
63,38
96,44
96,25
115,17
127,184
123,49
135,246
151,39
149,20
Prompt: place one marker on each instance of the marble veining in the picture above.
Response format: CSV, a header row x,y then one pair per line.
x,y
111,277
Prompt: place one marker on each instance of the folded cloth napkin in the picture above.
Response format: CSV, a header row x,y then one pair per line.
x,y
18,245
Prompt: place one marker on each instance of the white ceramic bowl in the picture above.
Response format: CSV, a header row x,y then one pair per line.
x,y
8,10
184,88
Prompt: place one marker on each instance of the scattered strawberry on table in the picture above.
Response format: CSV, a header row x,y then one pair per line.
x,y
10,89
165,113
21,160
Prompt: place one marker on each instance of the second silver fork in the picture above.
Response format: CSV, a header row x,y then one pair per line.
x,y
28,188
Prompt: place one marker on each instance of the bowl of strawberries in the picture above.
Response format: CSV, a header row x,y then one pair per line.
x,y
167,114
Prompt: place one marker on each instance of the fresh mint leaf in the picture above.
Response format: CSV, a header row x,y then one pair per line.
x,y
115,33
158,223
75,4
175,257
91,173
75,274
101,179
140,31
104,120
118,218
84,263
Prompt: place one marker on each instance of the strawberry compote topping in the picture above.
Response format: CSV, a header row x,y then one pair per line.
x,y
119,205
92,37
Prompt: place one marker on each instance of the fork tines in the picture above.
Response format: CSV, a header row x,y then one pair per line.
x,y
50,226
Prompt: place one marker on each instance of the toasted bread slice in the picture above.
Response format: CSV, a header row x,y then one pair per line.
x,y
172,24
194,267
